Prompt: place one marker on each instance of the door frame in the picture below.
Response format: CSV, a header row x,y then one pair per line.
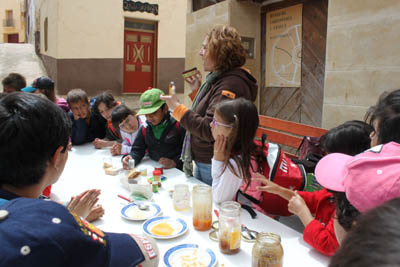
x,y
155,65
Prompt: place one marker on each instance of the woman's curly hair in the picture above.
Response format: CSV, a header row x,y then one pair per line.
x,y
225,48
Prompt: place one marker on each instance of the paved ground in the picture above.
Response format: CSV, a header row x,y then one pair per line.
x,y
20,58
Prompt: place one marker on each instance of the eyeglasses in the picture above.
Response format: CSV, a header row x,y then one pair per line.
x,y
214,122
125,123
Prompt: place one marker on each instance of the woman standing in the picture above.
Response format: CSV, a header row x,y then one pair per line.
x,y
223,56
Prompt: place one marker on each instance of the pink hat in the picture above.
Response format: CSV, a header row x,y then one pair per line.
x,y
369,179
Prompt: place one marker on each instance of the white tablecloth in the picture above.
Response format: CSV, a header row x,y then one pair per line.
x,y
84,170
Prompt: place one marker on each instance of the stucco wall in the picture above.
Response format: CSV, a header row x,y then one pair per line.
x,y
95,29
245,17
19,26
48,9
199,23
363,57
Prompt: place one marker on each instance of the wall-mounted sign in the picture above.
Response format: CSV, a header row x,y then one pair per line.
x,y
248,44
284,47
129,5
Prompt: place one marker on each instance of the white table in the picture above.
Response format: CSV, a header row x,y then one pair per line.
x,y
84,170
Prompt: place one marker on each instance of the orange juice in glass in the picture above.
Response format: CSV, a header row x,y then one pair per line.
x,y
202,207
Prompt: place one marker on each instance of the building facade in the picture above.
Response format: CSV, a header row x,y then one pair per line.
x,y
12,19
331,59
118,45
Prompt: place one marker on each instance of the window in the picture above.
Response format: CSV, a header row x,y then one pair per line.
x,y
9,21
9,14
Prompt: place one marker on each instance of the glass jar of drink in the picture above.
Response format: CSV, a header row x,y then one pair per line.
x,y
202,207
267,251
230,228
181,197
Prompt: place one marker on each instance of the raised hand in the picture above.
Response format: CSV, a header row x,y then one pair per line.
x,y
269,186
84,202
171,100
298,206
220,148
194,81
95,213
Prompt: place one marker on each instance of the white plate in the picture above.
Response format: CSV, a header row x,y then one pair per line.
x,y
133,213
179,226
189,254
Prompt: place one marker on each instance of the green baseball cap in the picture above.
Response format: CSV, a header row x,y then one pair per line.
x,y
150,101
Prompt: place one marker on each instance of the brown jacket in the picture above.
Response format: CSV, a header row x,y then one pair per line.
x,y
237,81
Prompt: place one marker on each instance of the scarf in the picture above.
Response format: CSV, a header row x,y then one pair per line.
x,y
186,155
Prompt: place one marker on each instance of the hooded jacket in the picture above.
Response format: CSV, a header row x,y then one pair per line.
x,y
231,84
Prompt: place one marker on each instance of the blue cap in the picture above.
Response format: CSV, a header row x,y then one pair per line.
x,y
37,232
28,89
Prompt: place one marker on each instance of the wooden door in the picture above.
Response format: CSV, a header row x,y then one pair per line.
x,y
300,104
13,38
138,61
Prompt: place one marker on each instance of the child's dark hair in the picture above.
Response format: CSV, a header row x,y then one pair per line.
x,y
351,138
76,95
106,98
119,114
46,86
29,137
386,117
374,240
14,80
345,212
243,115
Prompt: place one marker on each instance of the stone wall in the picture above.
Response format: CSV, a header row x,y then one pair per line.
x,y
363,57
245,17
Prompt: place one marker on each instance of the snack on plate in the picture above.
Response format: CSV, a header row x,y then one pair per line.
x,y
190,72
133,174
112,171
107,165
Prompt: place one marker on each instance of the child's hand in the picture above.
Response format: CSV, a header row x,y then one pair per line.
x,y
95,213
125,162
298,206
116,149
84,202
220,148
194,81
167,163
98,143
269,186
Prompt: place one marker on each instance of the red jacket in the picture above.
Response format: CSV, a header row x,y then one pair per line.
x,y
319,233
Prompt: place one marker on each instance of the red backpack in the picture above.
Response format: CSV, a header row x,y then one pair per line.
x,y
278,168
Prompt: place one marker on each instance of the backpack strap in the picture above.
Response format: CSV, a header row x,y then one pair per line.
x,y
249,209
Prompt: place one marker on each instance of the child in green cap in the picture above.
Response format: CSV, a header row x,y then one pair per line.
x,y
162,135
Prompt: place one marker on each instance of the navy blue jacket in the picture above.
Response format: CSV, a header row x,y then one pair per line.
x,y
169,146
83,132
44,233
